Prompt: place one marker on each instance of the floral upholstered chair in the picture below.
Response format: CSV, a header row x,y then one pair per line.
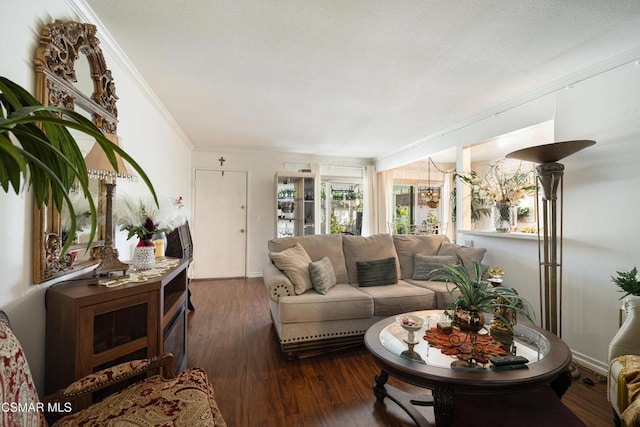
x,y
185,400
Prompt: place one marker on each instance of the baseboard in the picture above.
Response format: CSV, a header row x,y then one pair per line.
x,y
590,363
254,275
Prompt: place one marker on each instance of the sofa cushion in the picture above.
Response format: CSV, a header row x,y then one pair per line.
x,y
440,289
322,275
361,248
340,303
467,253
399,298
377,272
294,262
317,246
409,244
425,265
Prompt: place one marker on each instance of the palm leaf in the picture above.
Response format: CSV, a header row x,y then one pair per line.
x,y
48,159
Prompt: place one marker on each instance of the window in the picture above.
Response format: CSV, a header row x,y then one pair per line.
x,y
412,213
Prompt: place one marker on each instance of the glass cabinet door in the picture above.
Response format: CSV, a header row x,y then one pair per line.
x,y
295,204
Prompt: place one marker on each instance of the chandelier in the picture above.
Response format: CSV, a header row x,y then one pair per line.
x,y
431,195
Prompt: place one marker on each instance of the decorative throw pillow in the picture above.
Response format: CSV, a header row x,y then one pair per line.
x,y
377,272
425,265
467,253
294,262
409,244
322,275
367,248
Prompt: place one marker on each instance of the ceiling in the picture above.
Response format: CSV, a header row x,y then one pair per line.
x,y
356,78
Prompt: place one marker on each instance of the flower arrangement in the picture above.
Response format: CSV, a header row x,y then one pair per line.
x,y
141,217
505,189
509,187
499,185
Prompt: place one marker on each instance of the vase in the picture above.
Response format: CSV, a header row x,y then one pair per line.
x,y
470,321
502,216
144,254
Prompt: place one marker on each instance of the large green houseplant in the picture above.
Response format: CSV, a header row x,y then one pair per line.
x,y
479,201
473,294
38,151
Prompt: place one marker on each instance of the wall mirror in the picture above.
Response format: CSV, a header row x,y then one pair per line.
x,y
71,73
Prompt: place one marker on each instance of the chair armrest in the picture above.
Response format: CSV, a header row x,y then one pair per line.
x,y
113,375
277,283
627,339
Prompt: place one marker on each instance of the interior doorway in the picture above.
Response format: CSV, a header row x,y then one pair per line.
x,y
220,224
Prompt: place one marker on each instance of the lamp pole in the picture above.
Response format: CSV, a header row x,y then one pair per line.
x,y
549,176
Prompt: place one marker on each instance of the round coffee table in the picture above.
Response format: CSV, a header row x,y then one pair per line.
x,y
427,367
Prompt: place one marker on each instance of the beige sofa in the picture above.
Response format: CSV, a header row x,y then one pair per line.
x,y
309,316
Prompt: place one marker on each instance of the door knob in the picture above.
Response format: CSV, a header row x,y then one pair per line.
x,y
242,230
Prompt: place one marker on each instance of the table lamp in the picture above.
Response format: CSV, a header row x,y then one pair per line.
x,y
99,167
549,176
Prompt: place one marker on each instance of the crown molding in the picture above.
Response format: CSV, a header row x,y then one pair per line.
x,y
422,147
110,45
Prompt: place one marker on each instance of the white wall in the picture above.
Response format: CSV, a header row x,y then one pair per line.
x,y
600,202
146,133
261,168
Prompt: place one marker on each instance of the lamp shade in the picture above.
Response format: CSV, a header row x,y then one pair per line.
x,y
98,165
549,153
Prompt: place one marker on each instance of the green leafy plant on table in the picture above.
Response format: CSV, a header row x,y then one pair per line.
x,y
470,292
38,151
627,282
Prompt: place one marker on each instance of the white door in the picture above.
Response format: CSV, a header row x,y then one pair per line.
x,y
220,223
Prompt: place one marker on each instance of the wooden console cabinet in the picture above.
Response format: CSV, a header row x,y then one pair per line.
x,y
91,327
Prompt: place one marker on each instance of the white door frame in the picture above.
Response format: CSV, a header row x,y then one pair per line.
x,y
246,210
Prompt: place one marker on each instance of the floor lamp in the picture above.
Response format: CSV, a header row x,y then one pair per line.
x,y
549,176
99,167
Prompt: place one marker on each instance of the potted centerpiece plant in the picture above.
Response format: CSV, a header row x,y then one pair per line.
x,y
37,149
472,297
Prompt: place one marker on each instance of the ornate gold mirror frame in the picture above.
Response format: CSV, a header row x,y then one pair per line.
x,y
61,44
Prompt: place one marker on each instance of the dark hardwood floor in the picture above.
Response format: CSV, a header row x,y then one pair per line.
x,y
231,336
